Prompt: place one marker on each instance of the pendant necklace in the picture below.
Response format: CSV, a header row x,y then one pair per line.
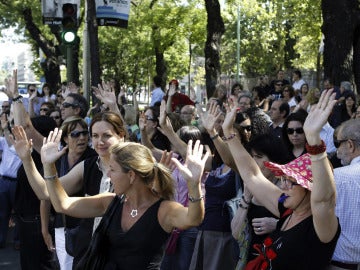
x,y
134,213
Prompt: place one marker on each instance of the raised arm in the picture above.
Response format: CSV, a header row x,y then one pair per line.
x,y
261,188
82,207
323,194
185,217
208,121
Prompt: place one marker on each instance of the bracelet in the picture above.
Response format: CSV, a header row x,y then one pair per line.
x,y
315,149
214,137
243,206
51,178
231,136
194,200
245,201
17,98
318,157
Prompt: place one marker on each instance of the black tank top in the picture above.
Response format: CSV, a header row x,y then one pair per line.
x,y
142,246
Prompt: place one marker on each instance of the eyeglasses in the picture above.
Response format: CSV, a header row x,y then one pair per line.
x,y
67,105
291,131
44,109
247,128
337,143
287,183
76,134
149,118
55,117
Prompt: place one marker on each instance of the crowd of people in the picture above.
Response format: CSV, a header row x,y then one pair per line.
x,y
289,152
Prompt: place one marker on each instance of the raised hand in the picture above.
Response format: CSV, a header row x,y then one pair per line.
x,y
11,85
318,116
194,165
22,145
105,93
49,150
166,160
212,115
229,120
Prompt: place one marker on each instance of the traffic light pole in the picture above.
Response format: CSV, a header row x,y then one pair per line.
x,y
69,63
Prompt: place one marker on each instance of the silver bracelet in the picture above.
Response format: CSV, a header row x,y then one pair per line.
x,y
318,157
51,178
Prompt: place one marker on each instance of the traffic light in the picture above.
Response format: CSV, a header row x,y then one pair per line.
x,y
69,23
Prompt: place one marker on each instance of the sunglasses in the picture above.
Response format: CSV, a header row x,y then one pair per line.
x,y
44,109
149,118
287,183
67,105
55,117
247,128
279,84
32,90
297,130
76,134
5,106
337,143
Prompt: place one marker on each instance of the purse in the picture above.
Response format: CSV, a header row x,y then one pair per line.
x,y
70,239
172,242
233,204
96,254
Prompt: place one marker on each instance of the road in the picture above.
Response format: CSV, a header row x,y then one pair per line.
x,y
9,257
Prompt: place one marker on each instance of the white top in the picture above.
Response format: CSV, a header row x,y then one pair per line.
x,y
347,180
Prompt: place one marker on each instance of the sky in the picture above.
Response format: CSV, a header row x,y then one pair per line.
x,y
8,45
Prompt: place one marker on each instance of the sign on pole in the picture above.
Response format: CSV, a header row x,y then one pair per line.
x,y
52,10
112,12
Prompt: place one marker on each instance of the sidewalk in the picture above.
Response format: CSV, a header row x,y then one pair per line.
x,y
9,257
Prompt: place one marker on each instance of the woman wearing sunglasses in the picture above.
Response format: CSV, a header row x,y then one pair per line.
x,y
307,231
75,137
293,133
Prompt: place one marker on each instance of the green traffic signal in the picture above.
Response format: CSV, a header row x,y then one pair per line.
x,y
69,36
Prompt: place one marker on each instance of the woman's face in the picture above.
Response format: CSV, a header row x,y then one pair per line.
x,y
349,102
57,117
246,126
46,90
286,93
119,179
151,122
260,159
304,90
77,139
296,133
294,192
103,137
44,110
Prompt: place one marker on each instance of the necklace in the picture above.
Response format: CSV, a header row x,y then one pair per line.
x,y
287,222
134,213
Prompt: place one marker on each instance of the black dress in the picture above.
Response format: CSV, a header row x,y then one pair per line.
x,y
141,247
297,248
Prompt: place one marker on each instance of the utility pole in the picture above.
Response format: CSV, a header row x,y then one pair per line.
x,y
238,45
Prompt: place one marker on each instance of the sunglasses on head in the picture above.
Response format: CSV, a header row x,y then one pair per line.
x,y
297,130
67,105
76,134
247,128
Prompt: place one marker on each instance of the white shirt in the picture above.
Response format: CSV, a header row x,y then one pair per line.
x,y
297,85
347,180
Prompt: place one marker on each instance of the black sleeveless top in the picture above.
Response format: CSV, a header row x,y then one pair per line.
x,y
141,247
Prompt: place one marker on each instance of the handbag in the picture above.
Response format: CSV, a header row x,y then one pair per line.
x,y
172,242
233,204
70,239
96,254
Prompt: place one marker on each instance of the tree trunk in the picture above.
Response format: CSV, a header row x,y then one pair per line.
x,y
215,29
50,66
341,46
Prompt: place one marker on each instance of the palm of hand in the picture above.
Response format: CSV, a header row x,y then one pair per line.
x,y
23,148
49,152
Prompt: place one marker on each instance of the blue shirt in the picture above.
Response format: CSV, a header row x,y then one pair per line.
x,y
156,96
347,180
